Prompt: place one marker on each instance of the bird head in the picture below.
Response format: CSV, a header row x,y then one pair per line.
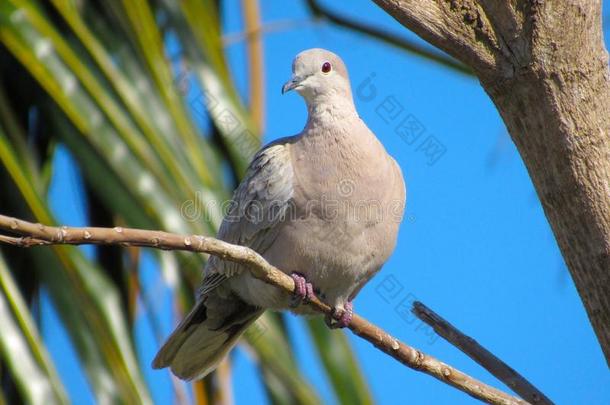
x,y
318,73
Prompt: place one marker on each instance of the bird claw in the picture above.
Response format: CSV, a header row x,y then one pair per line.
x,y
340,318
303,293
303,290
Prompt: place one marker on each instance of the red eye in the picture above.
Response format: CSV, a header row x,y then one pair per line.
x,y
326,67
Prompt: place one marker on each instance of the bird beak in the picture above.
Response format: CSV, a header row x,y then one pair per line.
x,y
291,84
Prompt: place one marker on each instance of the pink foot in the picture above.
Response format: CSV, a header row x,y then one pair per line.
x,y
341,318
303,290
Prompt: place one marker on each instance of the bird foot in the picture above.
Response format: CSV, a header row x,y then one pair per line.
x,y
303,290
340,318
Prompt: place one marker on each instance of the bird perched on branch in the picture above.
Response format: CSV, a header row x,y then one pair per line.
x,y
324,206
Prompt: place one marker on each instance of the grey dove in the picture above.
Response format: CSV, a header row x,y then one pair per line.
x,y
324,206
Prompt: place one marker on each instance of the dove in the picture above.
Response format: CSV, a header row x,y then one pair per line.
x,y
324,206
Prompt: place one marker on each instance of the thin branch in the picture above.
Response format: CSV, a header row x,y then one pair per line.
x,y
38,234
256,71
272,27
387,37
478,353
323,15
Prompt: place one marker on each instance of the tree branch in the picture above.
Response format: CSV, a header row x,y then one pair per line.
x,y
38,234
458,27
544,64
478,353
320,11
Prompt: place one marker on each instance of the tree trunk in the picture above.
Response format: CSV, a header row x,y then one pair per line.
x,y
544,65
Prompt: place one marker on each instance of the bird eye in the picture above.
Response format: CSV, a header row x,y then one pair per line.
x,y
326,67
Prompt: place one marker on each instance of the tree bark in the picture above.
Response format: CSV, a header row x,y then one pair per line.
x,y
545,67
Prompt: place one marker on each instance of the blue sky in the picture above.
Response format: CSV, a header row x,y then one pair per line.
x,y
475,245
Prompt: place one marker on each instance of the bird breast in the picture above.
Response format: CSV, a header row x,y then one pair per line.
x,y
350,196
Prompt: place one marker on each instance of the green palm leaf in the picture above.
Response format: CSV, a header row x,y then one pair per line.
x,y
23,349
87,302
340,364
113,96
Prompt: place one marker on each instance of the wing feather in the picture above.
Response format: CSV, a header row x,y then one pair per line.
x,y
259,204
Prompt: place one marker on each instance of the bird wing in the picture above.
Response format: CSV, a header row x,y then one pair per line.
x,y
259,204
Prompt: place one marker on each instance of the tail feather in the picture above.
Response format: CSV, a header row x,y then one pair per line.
x,y
205,336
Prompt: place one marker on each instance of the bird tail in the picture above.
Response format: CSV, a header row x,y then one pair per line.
x,y
205,336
